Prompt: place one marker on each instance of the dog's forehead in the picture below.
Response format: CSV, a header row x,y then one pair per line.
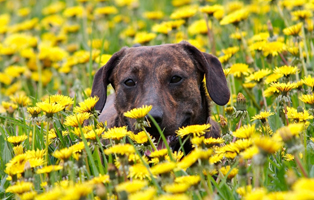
x,y
155,56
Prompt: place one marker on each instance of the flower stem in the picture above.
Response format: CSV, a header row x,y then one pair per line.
x,y
47,141
33,137
149,139
298,162
162,137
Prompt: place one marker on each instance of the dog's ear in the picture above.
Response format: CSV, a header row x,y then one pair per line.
x,y
216,82
101,79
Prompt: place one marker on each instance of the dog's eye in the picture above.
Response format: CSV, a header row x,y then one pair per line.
x,y
175,79
129,82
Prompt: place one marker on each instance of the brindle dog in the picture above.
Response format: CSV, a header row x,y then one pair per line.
x,y
168,77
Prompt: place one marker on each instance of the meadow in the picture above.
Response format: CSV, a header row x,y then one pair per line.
x,y
50,51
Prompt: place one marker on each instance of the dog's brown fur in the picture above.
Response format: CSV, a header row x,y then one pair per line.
x,y
152,69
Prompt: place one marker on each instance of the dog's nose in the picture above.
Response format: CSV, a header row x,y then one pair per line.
x,y
157,114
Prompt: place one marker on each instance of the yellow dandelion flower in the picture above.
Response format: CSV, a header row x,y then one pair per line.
x,y
139,138
273,48
147,194
159,153
131,186
48,169
249,152
258,76
263,115
191,180
224,58
235,17
239,69
195,130
293,50
284,87
257,46
293,30
307,98
242,191
84,129
302,14
230,50
183,13
238,35
245,131
273,78
176,187
87,105
20,99
49,108
270,91
193,156
256,194
76,11
298,116
123,149
20,187
78,147
78,191
139,171
116,133
59,99
242,144
18,150
267,144
153,15
35,153
77,119
216,158
175,24
144,37
164,28
176,156
34,111
249,85
100,179
210,10
107,10
286,70
173,196
162,168
138,113
63,154
288,157
213,141
198,27
309,81
91,135
226,169
197,141
16,140
28,195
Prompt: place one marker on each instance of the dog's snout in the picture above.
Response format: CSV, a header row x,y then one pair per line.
x,y
157,114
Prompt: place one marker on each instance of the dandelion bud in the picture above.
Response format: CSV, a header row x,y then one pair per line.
x,y
270,28
10,110
300,109
241,102
242,171
223,125
101,191
229,110
291,177
285,134
112,171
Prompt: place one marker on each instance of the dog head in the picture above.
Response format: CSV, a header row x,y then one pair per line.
x,y
168,77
